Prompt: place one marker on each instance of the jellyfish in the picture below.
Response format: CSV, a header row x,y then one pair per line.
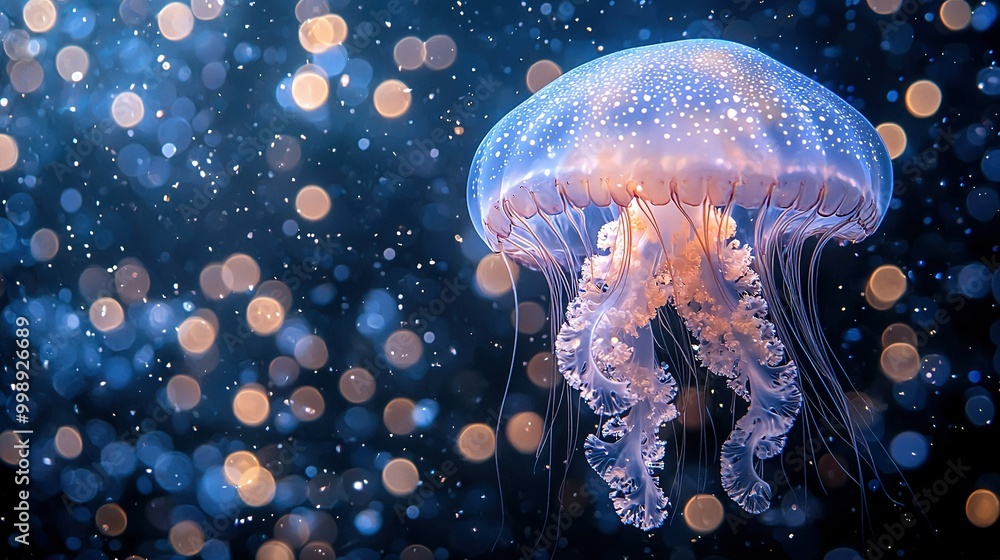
x,y
680,184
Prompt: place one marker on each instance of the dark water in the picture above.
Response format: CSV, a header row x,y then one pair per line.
x,y
162,424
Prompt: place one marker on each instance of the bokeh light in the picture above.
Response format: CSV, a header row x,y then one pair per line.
x,y
215,280
183,392
238,463
400,477
68,442
131,281
403,348
894,137
703,513
106,314
127,109
306,9
530,318
307,404
398,416
207,9
409,53
441,52
542,370
111,519
274,550
187,538
311,352
899,332
283,371
318,34
391,98
276,290
357,385
256,487
196,335
251,406
8,152
175,21
265,315
292,529
44,245
524,431
541,73
284,153
492,276
982,508
26,75
476,442
310,88
955,14
312,203
241,273
39,15
923,98
884,7
72,63
885,286
900,362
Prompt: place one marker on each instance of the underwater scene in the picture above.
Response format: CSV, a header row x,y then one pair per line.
x,y
425,280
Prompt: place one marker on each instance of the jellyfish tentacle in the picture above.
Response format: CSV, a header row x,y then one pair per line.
x,y
606,349
718,296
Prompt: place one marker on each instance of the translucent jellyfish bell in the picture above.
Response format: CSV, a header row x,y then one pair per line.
x,y
649,177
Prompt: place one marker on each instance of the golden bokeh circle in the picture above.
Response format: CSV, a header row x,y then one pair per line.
x,y
307,404
392,98
703,513
175,21
357,385
476,442
68,442
8,152
106,314
312,203
524,431
251,406
398,416
923,98
894,138
541,74
111,519
400,477
265,315
196,335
